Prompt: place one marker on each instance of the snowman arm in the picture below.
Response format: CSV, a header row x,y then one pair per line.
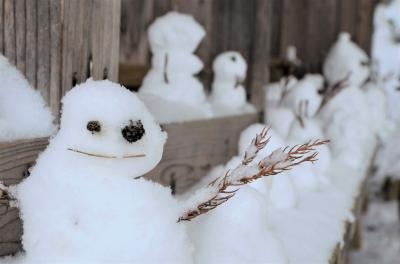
x,y
223,188
6,196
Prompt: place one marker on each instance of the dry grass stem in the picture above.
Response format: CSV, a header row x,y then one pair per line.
x,y
225,187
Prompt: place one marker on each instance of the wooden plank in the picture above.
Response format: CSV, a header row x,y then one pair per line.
x,y
1,26
136,16
20,33
320,32
294,23
275,28
43,48
55,57
9,31
364,24
31,41
259,60
346,13
105,38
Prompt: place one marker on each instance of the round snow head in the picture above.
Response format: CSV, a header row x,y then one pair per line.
x,y
230,66
104,123
346,60
175,31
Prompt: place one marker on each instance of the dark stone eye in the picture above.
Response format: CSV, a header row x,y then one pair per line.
x,y
134,131
233,58
93,126
365,63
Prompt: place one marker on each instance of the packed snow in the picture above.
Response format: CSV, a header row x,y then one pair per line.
x,y
23,112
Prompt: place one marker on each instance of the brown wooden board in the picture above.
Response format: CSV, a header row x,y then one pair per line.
x,y
191,150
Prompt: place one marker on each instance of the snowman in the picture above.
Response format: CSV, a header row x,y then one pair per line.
x,y
346,116
228,96
85,202
23,112
386,53
170,89
277,115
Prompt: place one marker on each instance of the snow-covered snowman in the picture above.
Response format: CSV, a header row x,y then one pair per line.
x,y
30,117
228,96
350,117
170,87
85,202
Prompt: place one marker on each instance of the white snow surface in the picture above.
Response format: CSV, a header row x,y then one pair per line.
x,y
92,210
23,112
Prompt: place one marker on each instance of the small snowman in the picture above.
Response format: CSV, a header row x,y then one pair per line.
x,y
278,190
304,129
277,115
85,202
345,60
23,112
306,90
228,96
170,89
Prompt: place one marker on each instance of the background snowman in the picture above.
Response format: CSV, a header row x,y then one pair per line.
x,y
169,89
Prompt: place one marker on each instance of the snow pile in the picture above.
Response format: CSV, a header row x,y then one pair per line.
x,y
386,52
23,112
170,89
236,232
93,209
228,96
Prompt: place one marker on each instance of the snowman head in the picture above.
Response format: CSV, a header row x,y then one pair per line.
x,y
346,60
175,31
104,124
230,66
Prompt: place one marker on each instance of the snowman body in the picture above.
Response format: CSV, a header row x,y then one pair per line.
x,y
228,96
30,117
82,203
173,39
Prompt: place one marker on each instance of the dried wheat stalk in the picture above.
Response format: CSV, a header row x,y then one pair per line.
x,y
223,188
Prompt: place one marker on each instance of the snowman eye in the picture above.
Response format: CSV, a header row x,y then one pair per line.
x,y
134,131
93,126
364,63
233,58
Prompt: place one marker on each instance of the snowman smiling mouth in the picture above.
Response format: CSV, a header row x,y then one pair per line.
x,y
108,156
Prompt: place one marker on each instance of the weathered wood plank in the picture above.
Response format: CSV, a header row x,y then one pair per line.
x,y
275,28
259,60
31,41
135,19
1,26
364,24
320,32
20,33
55,57
9,31
43,48
105,38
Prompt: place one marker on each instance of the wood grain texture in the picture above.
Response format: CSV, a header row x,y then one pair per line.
x,y
20,32
31,41
43,48
136,16
9,30
1,26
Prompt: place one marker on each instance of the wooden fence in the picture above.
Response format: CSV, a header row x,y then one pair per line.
x,y
58,43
